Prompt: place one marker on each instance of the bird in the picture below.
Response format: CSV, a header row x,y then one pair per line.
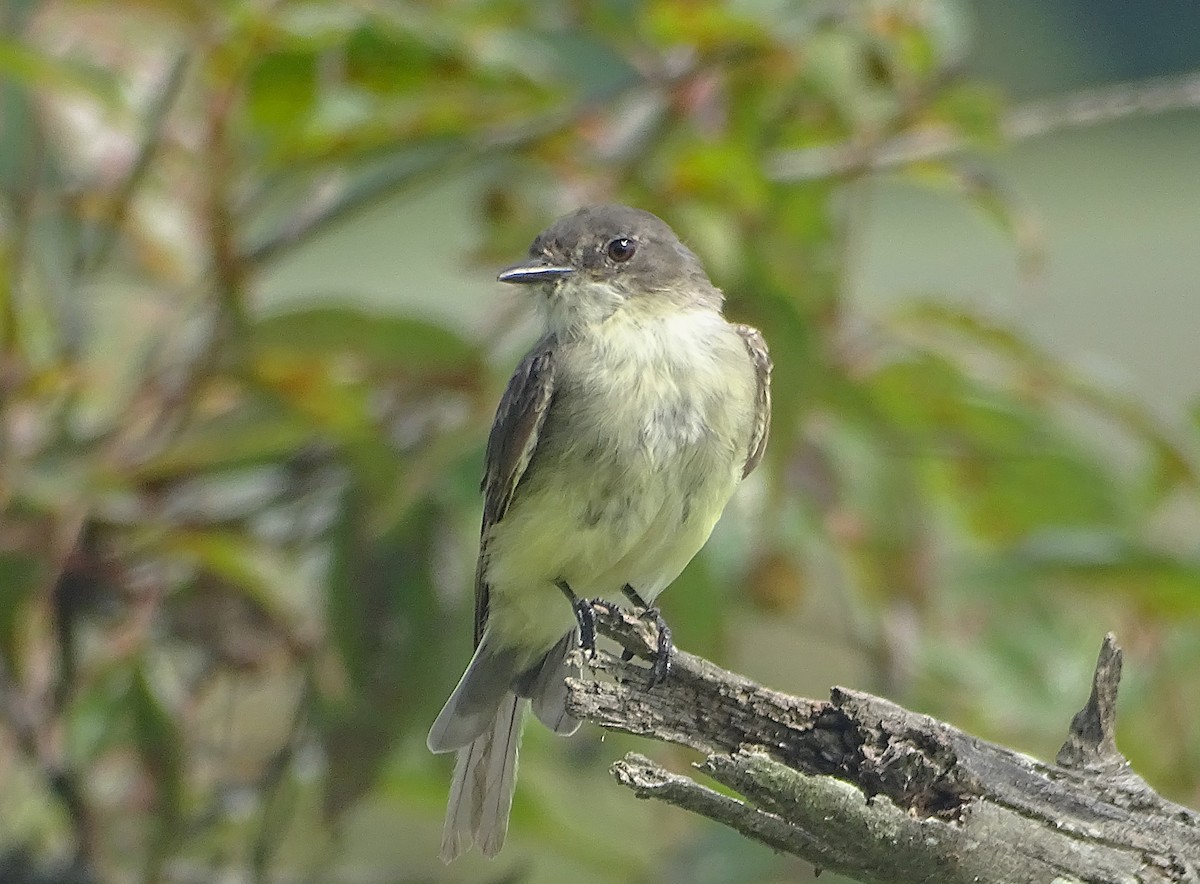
x,y
617,443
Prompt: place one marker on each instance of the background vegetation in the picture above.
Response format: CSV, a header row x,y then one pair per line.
x,y
249,351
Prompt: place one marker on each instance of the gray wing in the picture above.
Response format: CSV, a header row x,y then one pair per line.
x,y
511,443
757,347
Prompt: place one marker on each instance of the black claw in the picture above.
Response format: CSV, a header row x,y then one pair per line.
x,y
661,667
585,616
662,654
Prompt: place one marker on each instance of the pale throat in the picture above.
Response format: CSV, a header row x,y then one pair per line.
x,y
572,306
661,373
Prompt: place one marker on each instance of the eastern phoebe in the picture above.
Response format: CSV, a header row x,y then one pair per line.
x,y
620,438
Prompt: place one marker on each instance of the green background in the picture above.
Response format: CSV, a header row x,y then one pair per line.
x,y
250,344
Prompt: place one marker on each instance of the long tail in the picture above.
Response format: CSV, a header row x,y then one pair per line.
x,y
481,792
482,721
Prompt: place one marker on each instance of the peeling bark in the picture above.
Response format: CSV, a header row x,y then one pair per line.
x,y
861,786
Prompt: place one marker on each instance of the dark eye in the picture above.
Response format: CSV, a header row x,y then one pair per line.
x,y
621,249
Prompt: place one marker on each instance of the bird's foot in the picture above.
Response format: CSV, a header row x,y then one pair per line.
x,y
661,665
585,617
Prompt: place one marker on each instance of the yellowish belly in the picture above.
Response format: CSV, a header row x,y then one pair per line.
x,y
643,446
567,530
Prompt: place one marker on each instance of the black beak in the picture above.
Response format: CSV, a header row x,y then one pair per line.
x,y
528,272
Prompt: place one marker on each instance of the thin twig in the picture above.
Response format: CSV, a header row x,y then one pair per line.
x,y
1104,105
24,199
228,268
648,780
63,781
227,275
329,208
1087,108
89,259
272,822
330,202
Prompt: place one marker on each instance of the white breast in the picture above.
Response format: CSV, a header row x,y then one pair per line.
x,y
645,444
666,384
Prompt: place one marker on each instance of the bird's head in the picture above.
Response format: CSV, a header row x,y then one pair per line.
x,y
601,260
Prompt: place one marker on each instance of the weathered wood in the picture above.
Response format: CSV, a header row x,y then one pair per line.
x,y
864,787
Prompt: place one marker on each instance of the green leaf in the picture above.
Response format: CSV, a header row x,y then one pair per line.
x,y
981,189
1173,461
1100,559
726,171
709,27
38,70
386,626
975,111
341,409
20,577
387,61
98,721
160,744
273,580
1168,470
1009,468
927,314
839,70
281,92
389,343
231,442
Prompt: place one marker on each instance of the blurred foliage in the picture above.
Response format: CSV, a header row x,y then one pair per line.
x,y
234,543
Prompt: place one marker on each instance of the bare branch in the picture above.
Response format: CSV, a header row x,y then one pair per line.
x,y
1092,741
341,194
648,780
1088,108
91,255
867,788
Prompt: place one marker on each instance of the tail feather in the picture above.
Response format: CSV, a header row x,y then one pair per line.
x,y
472,706
482,721
481,791
548,686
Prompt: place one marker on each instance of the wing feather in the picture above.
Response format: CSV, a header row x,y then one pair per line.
x,y
511,443
756,345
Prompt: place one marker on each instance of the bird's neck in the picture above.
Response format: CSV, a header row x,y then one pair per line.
x,y
589,308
